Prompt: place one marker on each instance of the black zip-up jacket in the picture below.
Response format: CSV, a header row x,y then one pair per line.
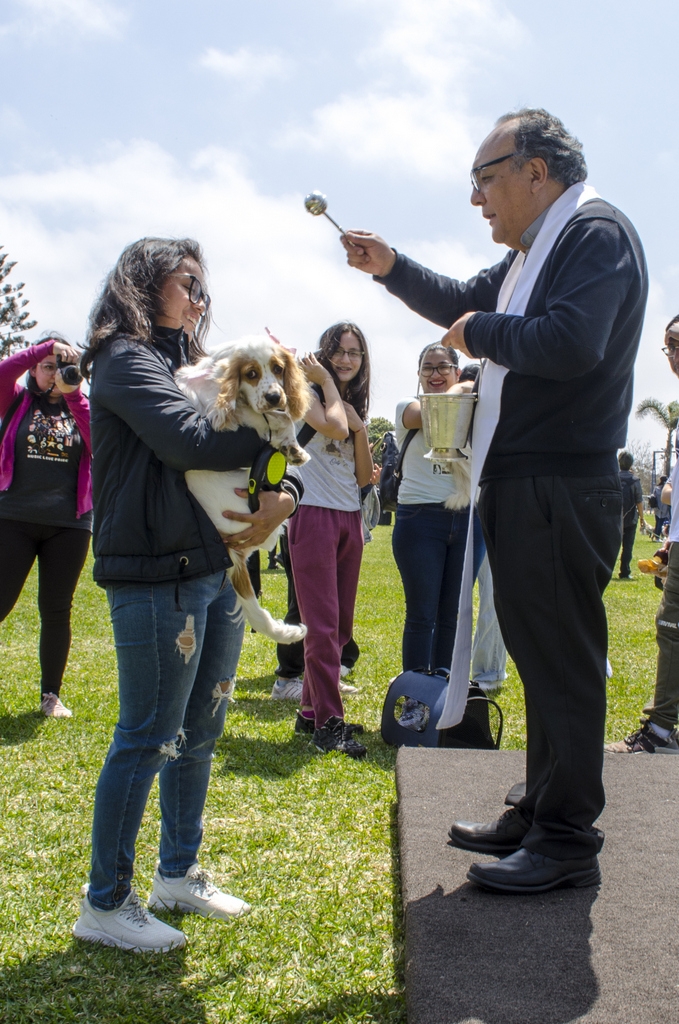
x,y
567,396
148,527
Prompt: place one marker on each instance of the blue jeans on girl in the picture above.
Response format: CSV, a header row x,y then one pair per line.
x,y
171,662
428,544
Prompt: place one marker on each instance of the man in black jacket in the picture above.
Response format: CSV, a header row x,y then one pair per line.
x,y
632,511
550,494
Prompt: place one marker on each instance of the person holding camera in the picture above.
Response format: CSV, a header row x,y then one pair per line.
x,y
45,495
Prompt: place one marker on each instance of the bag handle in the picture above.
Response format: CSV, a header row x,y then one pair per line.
x,y
490,701
401,455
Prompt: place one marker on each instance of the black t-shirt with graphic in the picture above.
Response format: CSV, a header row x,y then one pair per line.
x,y
44,484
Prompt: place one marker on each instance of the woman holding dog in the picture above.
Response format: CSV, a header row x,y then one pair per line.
x,y
45,498
163,565
325,538
430,532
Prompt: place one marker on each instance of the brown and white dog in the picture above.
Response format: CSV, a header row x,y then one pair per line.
x,y
252,382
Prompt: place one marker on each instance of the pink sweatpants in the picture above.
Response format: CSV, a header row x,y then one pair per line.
x,y
326,547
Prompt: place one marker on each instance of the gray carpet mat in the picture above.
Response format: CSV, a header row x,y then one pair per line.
x,y
607,955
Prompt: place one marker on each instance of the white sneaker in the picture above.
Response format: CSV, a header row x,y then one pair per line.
x,y
490,688
51,707
287,689
195,893
347,687
130,926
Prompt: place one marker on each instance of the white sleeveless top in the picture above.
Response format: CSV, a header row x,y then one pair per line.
x,y
424,481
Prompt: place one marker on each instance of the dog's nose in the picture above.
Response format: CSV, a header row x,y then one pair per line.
x,y
273,397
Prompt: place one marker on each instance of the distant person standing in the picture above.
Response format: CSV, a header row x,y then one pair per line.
x,y
632,511
658,731
662,510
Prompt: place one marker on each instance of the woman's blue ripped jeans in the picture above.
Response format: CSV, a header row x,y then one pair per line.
x,y
172,708
428,544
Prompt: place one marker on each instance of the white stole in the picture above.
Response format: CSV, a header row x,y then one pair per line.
x,y
514,294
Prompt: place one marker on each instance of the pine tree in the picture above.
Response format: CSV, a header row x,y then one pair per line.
x,y
13,313
377,427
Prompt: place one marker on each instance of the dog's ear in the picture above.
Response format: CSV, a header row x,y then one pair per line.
x,y
297,390
227,373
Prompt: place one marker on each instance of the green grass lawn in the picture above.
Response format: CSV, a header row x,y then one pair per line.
x,y
310,841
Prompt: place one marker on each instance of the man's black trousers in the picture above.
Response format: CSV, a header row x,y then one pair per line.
x,y
553,544
629,532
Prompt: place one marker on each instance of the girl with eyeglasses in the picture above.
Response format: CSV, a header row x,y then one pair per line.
x,y
172,605
325,538
45,497
430,532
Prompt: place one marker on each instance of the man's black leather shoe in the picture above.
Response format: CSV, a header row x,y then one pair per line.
x,y
502,836
525,871
516,794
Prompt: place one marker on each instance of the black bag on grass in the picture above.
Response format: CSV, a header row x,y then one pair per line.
x,y
480,728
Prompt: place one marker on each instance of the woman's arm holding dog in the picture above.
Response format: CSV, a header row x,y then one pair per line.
x,y
331,420
363,459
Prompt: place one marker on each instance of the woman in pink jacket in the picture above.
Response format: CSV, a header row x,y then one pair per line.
x,y
45,497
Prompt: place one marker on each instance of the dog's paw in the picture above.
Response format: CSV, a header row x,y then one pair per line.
x,y
295,455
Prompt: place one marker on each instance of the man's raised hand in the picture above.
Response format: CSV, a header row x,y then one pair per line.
x,y
368,252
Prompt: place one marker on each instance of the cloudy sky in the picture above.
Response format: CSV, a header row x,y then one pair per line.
x,y
214,118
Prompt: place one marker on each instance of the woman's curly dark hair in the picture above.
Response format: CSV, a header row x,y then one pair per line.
x,y
358,390
129,298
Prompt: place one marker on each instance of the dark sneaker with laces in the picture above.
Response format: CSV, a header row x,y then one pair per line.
x,y
336,734
303,724
502,836
645,741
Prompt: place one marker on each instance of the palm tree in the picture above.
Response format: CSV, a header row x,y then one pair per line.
x,y
667,416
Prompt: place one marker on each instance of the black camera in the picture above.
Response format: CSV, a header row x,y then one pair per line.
x,y
70,374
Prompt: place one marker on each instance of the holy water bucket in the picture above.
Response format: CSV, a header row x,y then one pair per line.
x,y
446,424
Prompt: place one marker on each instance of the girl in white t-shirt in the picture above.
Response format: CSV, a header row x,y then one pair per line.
x,y
431,526
325,536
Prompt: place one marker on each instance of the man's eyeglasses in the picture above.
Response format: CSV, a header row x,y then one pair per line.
x,y
196,291
474,175
354,354
442,368
669,350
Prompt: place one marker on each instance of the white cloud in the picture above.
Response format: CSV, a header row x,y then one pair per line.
x,y
249,68
413,112
270,263
88,17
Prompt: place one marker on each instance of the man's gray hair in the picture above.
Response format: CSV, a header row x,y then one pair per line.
x,y
539,133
